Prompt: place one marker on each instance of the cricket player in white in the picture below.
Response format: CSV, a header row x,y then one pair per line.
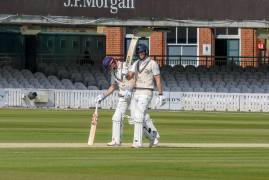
x,y
144,71
119,73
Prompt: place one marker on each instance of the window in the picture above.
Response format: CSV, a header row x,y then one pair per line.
x,y
182,35
171,36
43,43
49,44
129,30
227,31
38,45
192,35
182,54
75,44
87,44
182,46
221,31
100,45
232,31
63,43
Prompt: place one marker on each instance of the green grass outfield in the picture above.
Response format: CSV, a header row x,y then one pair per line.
x,y
47,126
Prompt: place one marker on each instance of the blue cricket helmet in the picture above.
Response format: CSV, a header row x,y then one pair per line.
x,y
142,48
106,61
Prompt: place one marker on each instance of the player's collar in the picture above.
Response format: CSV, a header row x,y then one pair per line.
x,y
144,62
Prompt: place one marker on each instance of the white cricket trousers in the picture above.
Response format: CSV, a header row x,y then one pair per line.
x,y
140,108
117,120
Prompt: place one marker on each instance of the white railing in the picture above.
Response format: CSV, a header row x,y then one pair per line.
x,y
75,99
13,98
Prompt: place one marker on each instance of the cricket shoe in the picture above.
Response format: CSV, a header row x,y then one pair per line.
x,y
113,144
156,142
153,138
136,146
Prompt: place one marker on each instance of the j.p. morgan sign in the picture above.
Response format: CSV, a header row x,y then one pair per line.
x,y
142,9
113,5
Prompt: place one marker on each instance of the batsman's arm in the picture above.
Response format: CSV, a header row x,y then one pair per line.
x,y
110,90
132,71
130,75
157,77
131,85
159,84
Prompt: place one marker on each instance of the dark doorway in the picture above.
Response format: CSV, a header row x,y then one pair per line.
x,y
30,52
227,51
221,52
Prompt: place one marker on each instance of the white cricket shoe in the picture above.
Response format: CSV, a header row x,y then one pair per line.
x,y
136,146
113,144
156,142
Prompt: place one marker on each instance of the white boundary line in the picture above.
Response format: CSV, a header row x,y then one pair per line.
x,y
162,145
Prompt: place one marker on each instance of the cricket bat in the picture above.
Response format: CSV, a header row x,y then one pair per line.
x,y
93,126
138,32
131,51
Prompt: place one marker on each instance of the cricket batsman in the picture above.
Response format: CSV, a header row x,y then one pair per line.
x,y
119,73
144,71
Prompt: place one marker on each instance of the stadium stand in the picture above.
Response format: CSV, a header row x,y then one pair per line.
x,y
216,79
177,79
52,76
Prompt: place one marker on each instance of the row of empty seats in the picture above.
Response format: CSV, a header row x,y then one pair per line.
x,y
13,78
87,74
177,78
216,79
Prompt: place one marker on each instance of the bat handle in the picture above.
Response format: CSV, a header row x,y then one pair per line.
x,y
95,115
96,108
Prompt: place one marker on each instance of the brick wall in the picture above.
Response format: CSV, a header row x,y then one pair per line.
x,y
157,45
248,45
114,40
115,37
206,36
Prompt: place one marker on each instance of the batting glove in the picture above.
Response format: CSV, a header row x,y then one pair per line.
x,y
125,70
127,94
99,98
160,101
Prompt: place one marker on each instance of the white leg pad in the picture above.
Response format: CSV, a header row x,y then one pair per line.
x,y
131,119
117,119
116,132
121,130
149,127
138,134
149,123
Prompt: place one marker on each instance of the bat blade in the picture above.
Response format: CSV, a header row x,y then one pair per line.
x,y
131,50
93,128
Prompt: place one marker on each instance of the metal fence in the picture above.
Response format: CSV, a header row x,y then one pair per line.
x,y
18,60
69,58
173,60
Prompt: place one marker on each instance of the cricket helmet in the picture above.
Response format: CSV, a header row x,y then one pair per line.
x,y
142,48
106,62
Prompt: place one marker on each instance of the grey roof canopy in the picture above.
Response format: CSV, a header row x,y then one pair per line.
x,y
234,13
